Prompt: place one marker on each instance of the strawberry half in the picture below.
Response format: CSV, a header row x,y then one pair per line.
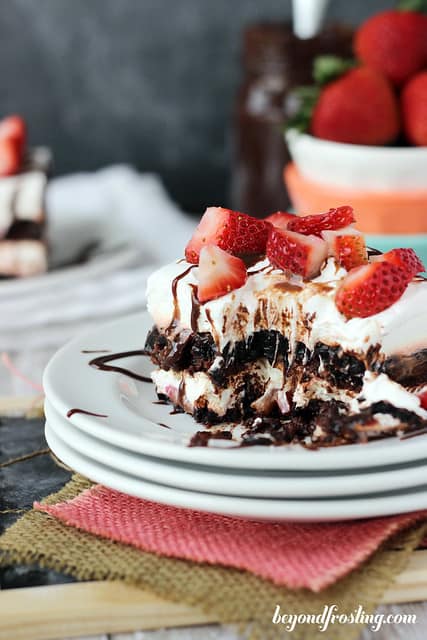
x,y
10,157
280,219
347,246
406,259
370,289
218,273
236,233
297,253
314,225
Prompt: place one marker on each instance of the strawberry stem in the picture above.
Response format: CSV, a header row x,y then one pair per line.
x,y
327,68
412,5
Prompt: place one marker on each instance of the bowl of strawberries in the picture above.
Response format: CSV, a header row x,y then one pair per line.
x,y
359,133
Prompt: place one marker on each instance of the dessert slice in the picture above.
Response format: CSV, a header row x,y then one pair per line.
x,y
297,331
23,180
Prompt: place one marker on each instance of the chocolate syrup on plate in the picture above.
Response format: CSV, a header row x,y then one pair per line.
x,y
71,412
163,425
96,351
102,363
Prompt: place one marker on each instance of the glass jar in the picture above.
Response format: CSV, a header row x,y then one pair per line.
x,y
275,61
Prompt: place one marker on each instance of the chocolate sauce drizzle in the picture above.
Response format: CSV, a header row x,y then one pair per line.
x,y
161,424
102,363
71,412
175,281
195,308
95,351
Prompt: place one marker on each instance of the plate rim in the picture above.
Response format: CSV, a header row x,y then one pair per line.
x,y
250,508
217,478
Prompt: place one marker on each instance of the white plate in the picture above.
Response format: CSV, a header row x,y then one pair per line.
x,y
132,419
96,266
260,484
253,508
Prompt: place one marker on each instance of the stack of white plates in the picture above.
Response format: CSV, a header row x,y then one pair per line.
x,y
139,447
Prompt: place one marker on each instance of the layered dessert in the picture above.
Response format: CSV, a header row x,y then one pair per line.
x,y
293,329
23,180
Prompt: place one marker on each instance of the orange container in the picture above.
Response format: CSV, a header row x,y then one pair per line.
x,y
378,212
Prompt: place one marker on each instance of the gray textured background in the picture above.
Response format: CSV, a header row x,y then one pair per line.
x,y
150,82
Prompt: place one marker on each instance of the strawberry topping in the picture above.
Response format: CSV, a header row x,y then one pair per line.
x,y
295,252
370,289
347,246
280,219
406,259
423,398
218,273
315,224
234,232
10,157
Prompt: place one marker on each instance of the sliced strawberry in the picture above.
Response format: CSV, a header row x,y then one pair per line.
x,y
10,157
280,219
370,289
314,225
297,253
14,127
236,233
406,259
348,247
218,273
423,398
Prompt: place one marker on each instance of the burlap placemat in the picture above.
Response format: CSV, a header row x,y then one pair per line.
x,y
234,596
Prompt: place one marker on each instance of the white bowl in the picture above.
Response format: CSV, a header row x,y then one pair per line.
x,y
358,166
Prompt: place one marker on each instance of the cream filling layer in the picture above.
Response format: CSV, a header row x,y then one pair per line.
x,y
302,311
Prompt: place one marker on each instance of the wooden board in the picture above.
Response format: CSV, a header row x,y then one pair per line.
x,y
46,613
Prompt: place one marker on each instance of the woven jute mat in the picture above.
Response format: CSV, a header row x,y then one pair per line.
x,y
233,596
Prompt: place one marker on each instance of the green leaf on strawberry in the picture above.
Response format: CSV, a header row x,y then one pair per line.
x,y
328,68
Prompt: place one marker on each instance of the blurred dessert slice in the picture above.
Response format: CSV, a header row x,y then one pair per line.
x,y
23,180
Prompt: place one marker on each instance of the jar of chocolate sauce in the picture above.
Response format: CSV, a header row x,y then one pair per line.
x,y
275,61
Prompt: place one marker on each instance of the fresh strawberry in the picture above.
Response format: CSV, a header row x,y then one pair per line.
x,y
280,219
394,43
370,289
236,233
413,101
423,398
10,157
218,273
315,224
347,246
359,108
406,259
295,252
14,127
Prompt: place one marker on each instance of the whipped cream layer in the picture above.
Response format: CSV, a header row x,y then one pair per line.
x,y
302,311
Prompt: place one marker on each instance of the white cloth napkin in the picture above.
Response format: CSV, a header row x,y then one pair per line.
x,y
129,224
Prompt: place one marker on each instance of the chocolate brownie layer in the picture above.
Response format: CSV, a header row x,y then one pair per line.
x,y
197,352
